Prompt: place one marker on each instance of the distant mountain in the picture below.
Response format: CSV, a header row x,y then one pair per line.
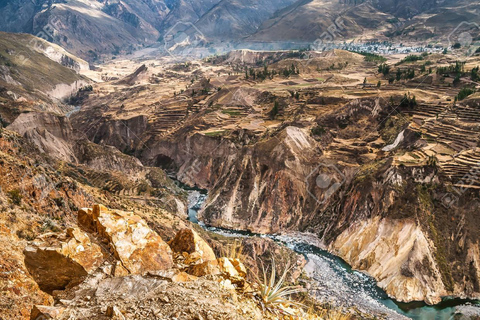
x,y
309,20
394,20
35,75
405,8
91,28
234,19
87,27
185,12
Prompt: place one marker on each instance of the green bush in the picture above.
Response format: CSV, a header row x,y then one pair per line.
x,y
318,130
465,92
371,57
410,58
15,196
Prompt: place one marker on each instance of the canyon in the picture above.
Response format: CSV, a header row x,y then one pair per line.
x,y
260,172
135,175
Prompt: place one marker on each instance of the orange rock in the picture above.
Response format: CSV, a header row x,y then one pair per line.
x,y
187,240
119,270
139,248
240,267
210,267
183,277
18,287
80,249
46,312
57,260
227,284
231,269
114,313
227,268
192,258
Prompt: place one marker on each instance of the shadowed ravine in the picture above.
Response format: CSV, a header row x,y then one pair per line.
x,y
335,282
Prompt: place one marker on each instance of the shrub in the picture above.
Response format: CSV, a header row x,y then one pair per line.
x,y
465,92
86,88
273,113
456,81
318,130
474,74
371,57
410,58
234,250
15,196
60,202
273,293
384,68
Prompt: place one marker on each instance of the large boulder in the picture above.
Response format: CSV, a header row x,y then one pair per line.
x,y
187,240
139,248
57,260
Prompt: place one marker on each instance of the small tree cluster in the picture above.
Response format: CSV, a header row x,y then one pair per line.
x,y
274,112
465,92
459,67
405,74
287,72
410,58
408,101
371,57
474,74
384,69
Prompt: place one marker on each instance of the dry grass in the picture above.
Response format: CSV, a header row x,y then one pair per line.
x,y
235,250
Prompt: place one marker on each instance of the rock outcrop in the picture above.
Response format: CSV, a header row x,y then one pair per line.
x,y
190,242
406,199
379,246
145,289
231,270
58,260
40,312
48,132
139,248
19,289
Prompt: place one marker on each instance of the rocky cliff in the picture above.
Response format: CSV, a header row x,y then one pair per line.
x,y
51,248
37,75
114,266
386,219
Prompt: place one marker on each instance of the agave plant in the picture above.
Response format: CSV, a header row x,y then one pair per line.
x,y
272,292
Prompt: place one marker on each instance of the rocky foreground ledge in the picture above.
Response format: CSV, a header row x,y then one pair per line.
x,y
113,266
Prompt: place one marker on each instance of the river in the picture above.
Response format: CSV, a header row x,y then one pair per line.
x,y
336,283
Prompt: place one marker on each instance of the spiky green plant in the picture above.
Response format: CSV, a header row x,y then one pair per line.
x,y
272,292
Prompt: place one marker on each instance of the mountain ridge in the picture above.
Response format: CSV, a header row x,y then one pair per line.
x,y
93,29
